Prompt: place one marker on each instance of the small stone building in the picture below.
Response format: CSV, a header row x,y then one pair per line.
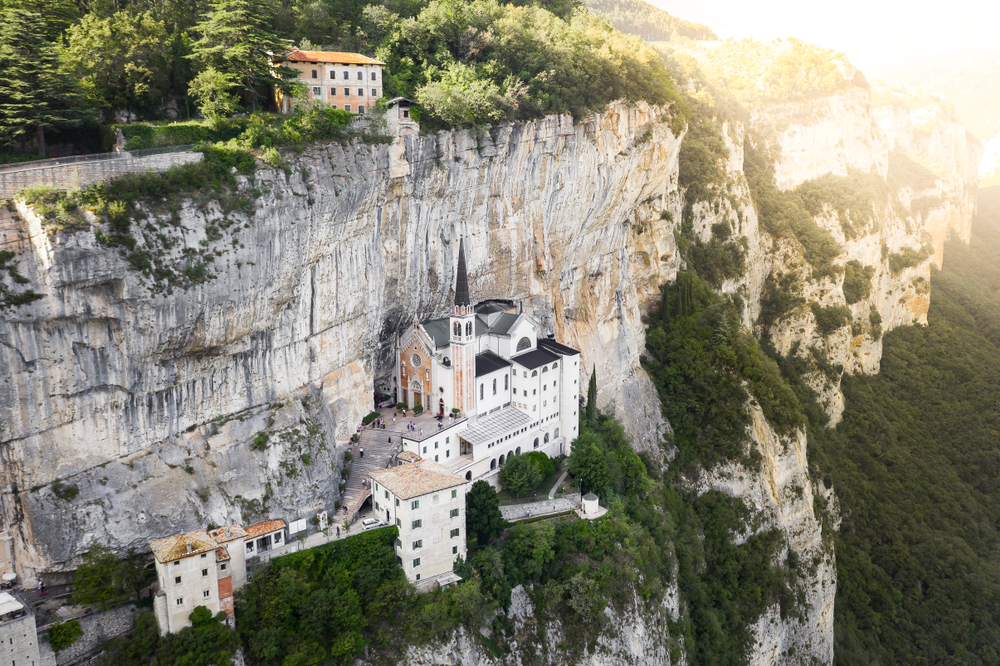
x,y
265,536
18,633
398,118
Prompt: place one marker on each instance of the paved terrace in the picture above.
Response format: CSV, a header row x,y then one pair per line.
x,y
379,454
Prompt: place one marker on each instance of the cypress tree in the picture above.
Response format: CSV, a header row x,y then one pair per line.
x,y
592,398
35,95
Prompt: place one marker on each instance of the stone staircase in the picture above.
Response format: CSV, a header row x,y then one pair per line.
x,y
378,455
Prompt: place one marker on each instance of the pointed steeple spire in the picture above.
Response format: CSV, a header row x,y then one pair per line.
x,y
462,279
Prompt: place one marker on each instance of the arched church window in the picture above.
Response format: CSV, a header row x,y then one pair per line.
x,y
545,368
494,386
534,373
557,433
457,329
468,328
536,443
546,438
523,344
555,365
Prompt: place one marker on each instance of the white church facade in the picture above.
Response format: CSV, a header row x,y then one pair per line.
x,y
514,391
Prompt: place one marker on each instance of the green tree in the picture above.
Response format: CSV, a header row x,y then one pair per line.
x,y
213,91
529,550
35,95
483,521
98,580
237,39
136,575
122,60
520,474
592,397
591,462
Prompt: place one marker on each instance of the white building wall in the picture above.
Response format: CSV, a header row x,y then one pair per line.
x,y
439,514
198,575
484,387
569,400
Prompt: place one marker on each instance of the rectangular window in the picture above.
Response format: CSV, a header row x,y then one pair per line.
x,y
417,524
376,487
377,507
454,550
425,450
447,439
331,74
419,543
435,445
347,75
454,494
223,567
316,92
333,106
204,555
314,74
399,523
361,76
361,92
454,513
204,572
204,594
374,92
436,458
415,504
447,454
454,533
347,107
416,562
333,92
180,601
177,580
387,494
361,109
399,543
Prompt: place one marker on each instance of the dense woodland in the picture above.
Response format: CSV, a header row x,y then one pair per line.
x,y
67,66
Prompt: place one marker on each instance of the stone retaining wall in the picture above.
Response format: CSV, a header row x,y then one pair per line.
x,y
97,629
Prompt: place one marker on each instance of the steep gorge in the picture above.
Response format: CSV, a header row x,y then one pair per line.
x,y
139,395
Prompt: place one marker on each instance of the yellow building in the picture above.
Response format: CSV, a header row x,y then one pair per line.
x,y
348,81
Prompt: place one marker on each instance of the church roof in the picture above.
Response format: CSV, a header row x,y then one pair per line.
x,y
488,362
495,425
462,278
535,358
556,347
438,330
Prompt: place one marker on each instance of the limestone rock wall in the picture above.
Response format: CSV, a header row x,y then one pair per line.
x,y
150,400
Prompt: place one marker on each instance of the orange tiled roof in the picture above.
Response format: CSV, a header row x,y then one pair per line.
x,y
417,478
221,555
335,57
265,527
227,533
177,547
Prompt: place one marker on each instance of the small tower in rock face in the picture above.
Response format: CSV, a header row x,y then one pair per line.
x,y
463,336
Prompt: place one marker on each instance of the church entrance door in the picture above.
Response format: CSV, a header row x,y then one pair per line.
x,y
417,399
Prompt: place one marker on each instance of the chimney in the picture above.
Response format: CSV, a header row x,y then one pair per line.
x,y
190,547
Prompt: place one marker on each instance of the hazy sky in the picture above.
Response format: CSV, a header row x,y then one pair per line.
x,y
873,33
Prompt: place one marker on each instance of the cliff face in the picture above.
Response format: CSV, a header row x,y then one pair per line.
x,y
117,386
167,409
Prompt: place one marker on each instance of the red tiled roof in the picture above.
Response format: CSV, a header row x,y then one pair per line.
x,y
335,57
227,533
266,527
221,555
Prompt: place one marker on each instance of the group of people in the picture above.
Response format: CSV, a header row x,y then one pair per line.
x,y
379,423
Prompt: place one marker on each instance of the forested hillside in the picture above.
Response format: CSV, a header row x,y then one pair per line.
x,y
66,66
916,465
652,24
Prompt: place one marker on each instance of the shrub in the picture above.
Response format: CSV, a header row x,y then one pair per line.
x,y
875,319
830,318
371,417
64,634
857,281
546,466
418,409
64,491
260,440
400,405
348,457
908,258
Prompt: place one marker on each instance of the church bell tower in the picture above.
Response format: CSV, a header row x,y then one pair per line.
x,y
463,337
